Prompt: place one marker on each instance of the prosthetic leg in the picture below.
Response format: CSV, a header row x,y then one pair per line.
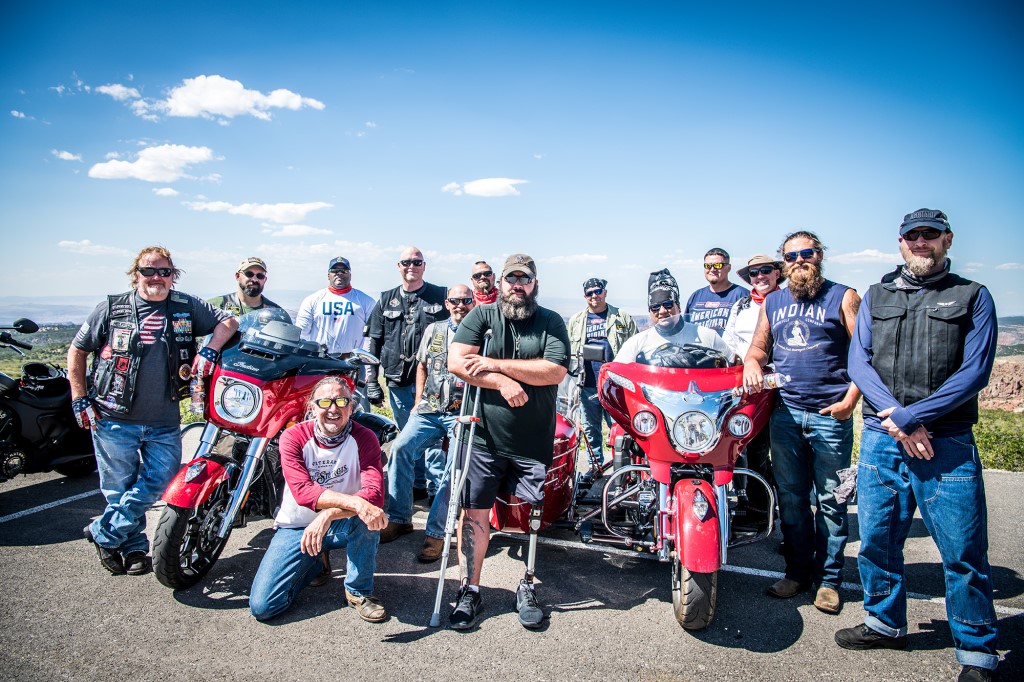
x,y
531,615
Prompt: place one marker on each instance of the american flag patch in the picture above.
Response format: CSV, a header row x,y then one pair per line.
x,y
152,328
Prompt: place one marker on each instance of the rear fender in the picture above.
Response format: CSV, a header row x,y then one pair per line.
x,y
698,539
204,474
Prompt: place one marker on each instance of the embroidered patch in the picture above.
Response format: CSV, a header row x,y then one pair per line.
x,y
185,372
122,337
121,364
106,353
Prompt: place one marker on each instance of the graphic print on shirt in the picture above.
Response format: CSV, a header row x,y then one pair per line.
x,y
151,328
790,325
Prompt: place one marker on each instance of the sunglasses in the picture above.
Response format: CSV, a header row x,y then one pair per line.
x,y
518,279
806,254
463,301
664,305
714,266
929,233
415,262
325,403
481,275
255,275
149,272
593,292
763,270
338,270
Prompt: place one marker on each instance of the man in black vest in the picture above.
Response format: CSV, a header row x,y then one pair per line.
x,y
144,343
923,348
251,278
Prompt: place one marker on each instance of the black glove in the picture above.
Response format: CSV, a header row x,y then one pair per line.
x,y
375,394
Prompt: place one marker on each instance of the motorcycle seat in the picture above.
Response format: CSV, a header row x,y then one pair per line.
x,y
47,402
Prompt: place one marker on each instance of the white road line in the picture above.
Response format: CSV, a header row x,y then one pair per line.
x,y
48,505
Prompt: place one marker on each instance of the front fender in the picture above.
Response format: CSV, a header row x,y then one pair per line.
x,y
205,474
697,540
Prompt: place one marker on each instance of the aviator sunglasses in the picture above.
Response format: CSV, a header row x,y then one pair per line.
x,y
415,262
806,254
464,301
664,305
149,272
255,275
325,403
929,233
714,266
763,270
518,279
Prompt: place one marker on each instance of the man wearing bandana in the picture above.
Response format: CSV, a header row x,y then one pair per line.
x,y
333,499
923,348
483,278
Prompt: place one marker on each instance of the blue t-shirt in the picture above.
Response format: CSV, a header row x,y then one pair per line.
x,y
709,309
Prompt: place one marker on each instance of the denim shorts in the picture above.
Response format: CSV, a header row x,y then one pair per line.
x,y
488,475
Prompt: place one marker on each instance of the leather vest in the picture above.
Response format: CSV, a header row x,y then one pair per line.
x,y
403,329
917,340
115,368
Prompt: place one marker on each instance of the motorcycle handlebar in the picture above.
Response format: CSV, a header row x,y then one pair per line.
x,y
7,339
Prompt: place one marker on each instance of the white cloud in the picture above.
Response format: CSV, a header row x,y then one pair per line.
x,y
454,188
18,114
865,256
119,92
212,96
295,231
575,259
485,187
371,124
165,192
538,156
87,248
165,163
59,89
112,155
66,156
1010,266
283,213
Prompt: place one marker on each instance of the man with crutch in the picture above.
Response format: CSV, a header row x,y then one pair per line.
x,y
513,443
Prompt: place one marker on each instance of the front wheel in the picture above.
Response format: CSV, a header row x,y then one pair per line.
x,y
693,596
186,544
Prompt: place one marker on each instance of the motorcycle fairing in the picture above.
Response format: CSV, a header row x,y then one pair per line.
x,y
192,493
698,541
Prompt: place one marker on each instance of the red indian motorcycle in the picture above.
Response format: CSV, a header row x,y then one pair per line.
x,y
677,435
260,386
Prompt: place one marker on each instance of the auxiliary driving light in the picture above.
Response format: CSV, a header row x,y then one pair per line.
x,y
701,506
645,423
739,425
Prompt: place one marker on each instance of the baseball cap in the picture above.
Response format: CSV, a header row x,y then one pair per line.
x,y
519,262
924,217
251,261
339,260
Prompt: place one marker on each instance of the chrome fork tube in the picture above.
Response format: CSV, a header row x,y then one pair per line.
x,y
665,551
252,457
209,438
722,494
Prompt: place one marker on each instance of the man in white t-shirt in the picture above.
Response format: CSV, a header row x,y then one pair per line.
x,y
336,316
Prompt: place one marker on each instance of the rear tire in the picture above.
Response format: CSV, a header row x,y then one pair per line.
x,y
186,544
693,597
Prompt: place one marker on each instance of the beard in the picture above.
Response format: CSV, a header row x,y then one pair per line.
x,y
518,308
253,289
805,279
920,265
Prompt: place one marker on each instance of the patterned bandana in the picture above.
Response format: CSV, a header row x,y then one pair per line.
x,y
486,298
908,281
331,441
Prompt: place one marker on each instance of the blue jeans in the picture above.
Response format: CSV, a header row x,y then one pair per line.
x,y
593,414
808,449
420,431
135,463
285,570
951,494
401,401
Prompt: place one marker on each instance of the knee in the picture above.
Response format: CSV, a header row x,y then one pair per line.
x,y
262,608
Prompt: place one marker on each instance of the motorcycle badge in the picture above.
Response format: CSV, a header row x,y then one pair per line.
x,y
395,303
185,372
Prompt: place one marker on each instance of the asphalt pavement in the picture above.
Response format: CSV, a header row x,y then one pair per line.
x,y
64,618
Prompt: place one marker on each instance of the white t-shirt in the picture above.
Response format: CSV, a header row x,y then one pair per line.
x,y
336,469
335,320
651,339
739,329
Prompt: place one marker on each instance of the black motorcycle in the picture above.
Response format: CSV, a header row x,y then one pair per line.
x,y
38,431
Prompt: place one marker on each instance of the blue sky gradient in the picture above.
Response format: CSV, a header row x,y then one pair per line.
x,y
610,139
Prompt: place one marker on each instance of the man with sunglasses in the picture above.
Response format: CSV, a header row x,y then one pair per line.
x,y
438,400
805,329
923,348
602,325
333,499
709,306
144,346
251,278
335,316
484,290
527,357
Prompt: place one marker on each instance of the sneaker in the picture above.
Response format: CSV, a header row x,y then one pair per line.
x,y
325,573
431,550
109,558
137,563
786,588
466,611
972,673
827,600
393,531
531,615
368,608
862,638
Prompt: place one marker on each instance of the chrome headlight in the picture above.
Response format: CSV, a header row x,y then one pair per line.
x,y
645,423
693,431
739,425
239,401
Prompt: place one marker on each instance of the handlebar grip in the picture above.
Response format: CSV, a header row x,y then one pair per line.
x,y
8,339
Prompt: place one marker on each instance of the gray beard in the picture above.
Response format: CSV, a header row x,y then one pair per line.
x,y
920,265
252,289
514,310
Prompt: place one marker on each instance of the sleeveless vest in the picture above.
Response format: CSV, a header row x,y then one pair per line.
x,y
401,335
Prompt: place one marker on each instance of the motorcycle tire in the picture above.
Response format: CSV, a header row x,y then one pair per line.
x,y
79,468
186,544
694,596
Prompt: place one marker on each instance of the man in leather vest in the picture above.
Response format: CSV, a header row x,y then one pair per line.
x,y
806,329
251,278
144,356
923,348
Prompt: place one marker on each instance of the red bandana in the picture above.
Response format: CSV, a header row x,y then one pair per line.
x,y
339,292
486,298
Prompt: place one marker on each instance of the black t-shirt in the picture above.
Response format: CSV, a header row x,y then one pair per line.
x,y
526,432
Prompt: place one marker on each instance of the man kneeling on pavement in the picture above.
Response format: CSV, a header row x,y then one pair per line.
x,y
333,499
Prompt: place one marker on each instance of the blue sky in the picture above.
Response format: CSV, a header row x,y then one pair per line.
x,y
602,138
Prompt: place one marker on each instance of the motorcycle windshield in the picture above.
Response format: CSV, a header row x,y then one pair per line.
x,y
269,329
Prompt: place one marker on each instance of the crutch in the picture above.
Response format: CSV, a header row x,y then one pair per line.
x,y
457,480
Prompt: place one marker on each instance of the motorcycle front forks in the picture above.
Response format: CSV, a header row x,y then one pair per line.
x,y
253,456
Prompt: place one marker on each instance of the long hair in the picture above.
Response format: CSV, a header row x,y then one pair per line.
x,y
805,235
133,272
